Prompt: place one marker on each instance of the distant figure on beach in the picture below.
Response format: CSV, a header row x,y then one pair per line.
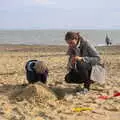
x,y
36,71
82,56
108,40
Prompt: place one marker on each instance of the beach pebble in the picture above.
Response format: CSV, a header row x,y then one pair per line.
x,y
39,118
111,108
68,97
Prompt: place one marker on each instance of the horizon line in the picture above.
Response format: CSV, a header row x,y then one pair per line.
x,y
60,29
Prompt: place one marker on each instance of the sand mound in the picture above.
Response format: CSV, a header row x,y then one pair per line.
x,y
34,93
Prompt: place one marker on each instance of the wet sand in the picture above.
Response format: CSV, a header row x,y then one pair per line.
x,y
36,102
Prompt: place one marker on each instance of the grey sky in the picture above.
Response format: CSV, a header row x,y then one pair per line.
x,y
59,14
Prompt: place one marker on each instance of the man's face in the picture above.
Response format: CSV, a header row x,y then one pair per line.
x,y
72,43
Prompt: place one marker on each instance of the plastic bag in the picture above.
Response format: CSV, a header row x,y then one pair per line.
x,y
98,74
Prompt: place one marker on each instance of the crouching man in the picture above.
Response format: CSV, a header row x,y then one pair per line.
x,y
36,71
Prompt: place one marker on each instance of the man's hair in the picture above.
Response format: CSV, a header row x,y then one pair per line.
x,y
72,35
40,67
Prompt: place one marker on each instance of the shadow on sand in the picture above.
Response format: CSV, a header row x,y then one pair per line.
x,y
61,92
8,89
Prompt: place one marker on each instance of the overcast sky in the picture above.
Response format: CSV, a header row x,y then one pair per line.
x,y
59,14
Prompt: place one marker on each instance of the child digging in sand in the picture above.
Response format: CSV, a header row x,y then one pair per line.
x,y
36,71
82,57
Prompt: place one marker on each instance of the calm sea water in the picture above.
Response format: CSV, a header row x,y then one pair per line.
x,y
55,37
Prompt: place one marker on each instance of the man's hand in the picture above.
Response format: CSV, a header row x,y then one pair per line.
x,y
76,58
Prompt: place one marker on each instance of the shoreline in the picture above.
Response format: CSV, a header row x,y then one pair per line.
x,y
32,48
53,48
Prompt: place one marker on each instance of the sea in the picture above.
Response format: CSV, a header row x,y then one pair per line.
x,y
56,37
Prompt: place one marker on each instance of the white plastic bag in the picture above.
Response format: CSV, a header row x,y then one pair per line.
x,y
98,74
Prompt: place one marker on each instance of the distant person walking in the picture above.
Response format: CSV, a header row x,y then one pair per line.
x,y
108,41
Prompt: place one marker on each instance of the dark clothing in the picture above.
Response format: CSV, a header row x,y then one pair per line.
x,y
81,71
108,41
82,75
31,74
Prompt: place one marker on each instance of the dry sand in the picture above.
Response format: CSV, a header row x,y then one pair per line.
x,y
36,102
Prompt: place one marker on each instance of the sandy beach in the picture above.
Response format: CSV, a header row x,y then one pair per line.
x,y
36,102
